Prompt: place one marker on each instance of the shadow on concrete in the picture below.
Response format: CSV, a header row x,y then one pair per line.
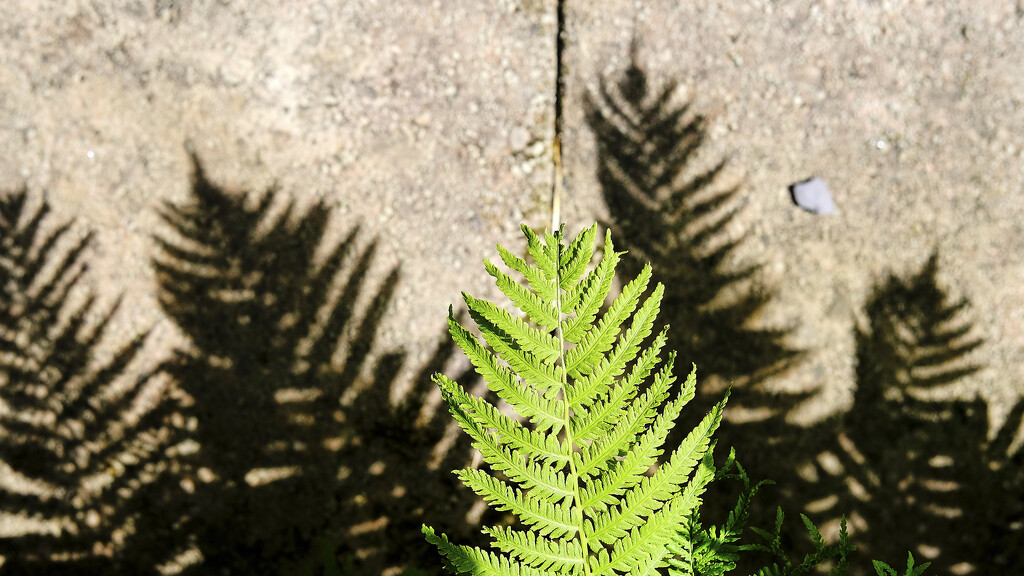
x,y
668,211
676,217
85,448
910,470
298,441
405,455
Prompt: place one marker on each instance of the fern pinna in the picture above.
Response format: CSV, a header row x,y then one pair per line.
x,y
577,475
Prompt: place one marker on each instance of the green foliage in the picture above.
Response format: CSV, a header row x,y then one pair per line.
x,y
578,465
823,552
884,569
716,550
578,479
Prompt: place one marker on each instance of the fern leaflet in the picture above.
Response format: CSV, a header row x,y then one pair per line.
x,y
577,474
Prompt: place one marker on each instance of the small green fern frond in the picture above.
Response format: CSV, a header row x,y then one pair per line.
x,y
589,350
554,519
502,380
585,299
581,252
610,486
537,310
598,400
534,277
537,371
823,552
637,505
537,445
513,332
645,548
625,351
714,551
884,569
551,554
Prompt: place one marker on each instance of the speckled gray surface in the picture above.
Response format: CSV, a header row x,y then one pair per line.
x,y
423,122
430,124
912,112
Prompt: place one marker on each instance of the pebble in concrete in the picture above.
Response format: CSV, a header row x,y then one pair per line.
x,y
813,196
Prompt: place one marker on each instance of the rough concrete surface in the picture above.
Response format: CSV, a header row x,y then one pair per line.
x,y
430,123
911,111
418,121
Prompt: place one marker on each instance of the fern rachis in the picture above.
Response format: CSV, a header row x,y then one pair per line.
x,y
576,476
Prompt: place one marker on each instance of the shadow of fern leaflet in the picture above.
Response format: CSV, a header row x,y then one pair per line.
x,y
87,449
906,467
675,215
299,441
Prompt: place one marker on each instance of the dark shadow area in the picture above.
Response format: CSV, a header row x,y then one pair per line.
x,y
299,443
909,470
912,471
406,455
86,449
668,211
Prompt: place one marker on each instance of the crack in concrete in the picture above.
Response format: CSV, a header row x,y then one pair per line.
x,y
556,146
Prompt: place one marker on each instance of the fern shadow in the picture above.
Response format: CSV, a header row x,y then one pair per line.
x,y
675,215
299,442
674,211
912,470
410,448
84,449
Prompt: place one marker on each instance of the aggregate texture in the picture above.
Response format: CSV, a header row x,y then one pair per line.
x,y
910,111
423,123
430,126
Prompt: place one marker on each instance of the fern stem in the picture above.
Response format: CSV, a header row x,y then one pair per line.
x,y
567,412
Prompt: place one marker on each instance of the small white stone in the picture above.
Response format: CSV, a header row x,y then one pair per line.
x,y
813,196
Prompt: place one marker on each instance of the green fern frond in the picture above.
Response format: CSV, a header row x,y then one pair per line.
x,y
884,569
823,552
577,475
714,551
